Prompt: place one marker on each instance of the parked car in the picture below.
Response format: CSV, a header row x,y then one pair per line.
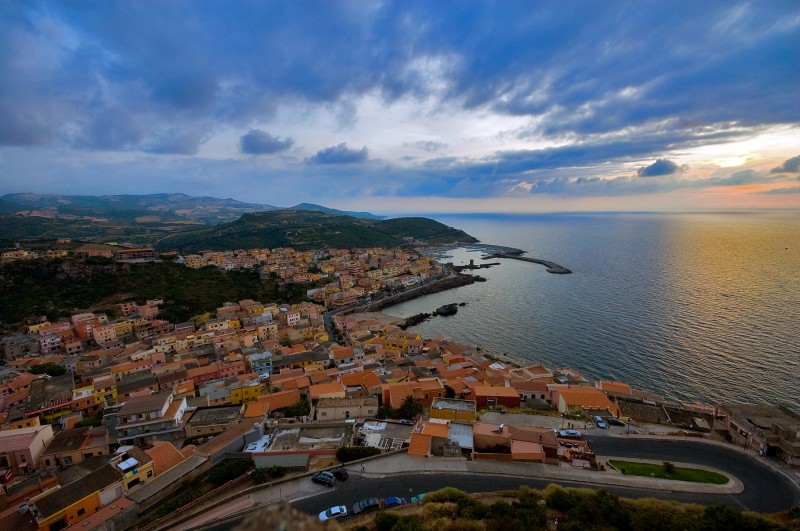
x,y
614,421
600,422
393,501
570,434
418,498
337,511
366,506
340,473
324,478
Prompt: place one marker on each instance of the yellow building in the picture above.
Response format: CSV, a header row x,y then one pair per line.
x,y
123,328
245,392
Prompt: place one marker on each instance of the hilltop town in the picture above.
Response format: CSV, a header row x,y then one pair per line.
x,y
123,411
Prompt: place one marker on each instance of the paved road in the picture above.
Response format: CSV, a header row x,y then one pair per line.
x,y
766,490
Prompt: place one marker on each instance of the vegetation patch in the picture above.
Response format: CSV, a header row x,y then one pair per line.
x,y
560,508
345,454
669,471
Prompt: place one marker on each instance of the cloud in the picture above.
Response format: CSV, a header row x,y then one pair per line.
x,y
258,142
791,165
340,154
428,145
659,167
781,191
175,141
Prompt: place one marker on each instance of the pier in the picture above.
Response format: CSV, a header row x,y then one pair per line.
x,y
552,267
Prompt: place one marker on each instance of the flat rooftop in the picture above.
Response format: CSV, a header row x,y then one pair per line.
x,y
453,404
310,438
215,415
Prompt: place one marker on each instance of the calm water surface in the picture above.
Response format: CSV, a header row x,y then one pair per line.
x,y
701,307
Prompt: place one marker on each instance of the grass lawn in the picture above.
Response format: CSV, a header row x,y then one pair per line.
x,y
682,474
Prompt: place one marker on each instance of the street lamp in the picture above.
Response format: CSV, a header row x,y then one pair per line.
x,y
562,420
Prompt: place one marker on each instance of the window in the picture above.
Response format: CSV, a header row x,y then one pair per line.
x,y
81,511
149,473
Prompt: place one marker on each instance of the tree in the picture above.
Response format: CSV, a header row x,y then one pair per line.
x,y
411,407
669,468
50,369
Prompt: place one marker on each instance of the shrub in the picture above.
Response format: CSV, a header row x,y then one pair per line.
x,y
228,470
447,494
263,475
386,520
346,454
558,498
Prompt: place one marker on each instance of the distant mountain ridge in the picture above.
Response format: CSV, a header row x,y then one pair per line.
x,y
167,207
326,210
309,229
190,224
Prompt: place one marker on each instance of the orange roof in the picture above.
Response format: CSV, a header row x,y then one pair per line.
x,y
435,429
428,384
164,456
584,397
485,390
326,390
398,392
419,445
614,387
264,404
526,447
484,428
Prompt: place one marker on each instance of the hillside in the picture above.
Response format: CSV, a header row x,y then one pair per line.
x,y
310,230
320,208
58,288
154,207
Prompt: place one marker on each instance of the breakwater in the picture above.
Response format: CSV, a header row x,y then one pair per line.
x,y
552,267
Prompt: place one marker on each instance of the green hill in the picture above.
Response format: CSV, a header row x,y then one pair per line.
x,y
58,288
312,230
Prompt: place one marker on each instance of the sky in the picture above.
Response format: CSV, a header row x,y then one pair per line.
x,y
406,106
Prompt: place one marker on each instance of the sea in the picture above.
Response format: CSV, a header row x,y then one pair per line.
x,y
698,307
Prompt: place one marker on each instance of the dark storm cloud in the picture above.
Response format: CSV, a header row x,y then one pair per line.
x,y
791,165
258,142
340,154
588,68
659,167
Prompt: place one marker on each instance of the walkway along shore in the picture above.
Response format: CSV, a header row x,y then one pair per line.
x,y
552,267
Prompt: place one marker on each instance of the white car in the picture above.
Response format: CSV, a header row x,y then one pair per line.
x,y
337,511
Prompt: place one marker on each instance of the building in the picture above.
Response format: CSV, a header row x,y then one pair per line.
x,y
155,417
70,447
487,396
332,409
209,421
20,449
575,399
770,430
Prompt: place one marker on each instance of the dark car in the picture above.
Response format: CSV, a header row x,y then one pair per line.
x,y
394,501
340,473
365,506
614,421
324,478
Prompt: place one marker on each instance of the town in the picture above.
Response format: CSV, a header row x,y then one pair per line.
x,y
106,419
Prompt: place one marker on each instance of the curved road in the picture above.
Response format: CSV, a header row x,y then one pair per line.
x,y
765,489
